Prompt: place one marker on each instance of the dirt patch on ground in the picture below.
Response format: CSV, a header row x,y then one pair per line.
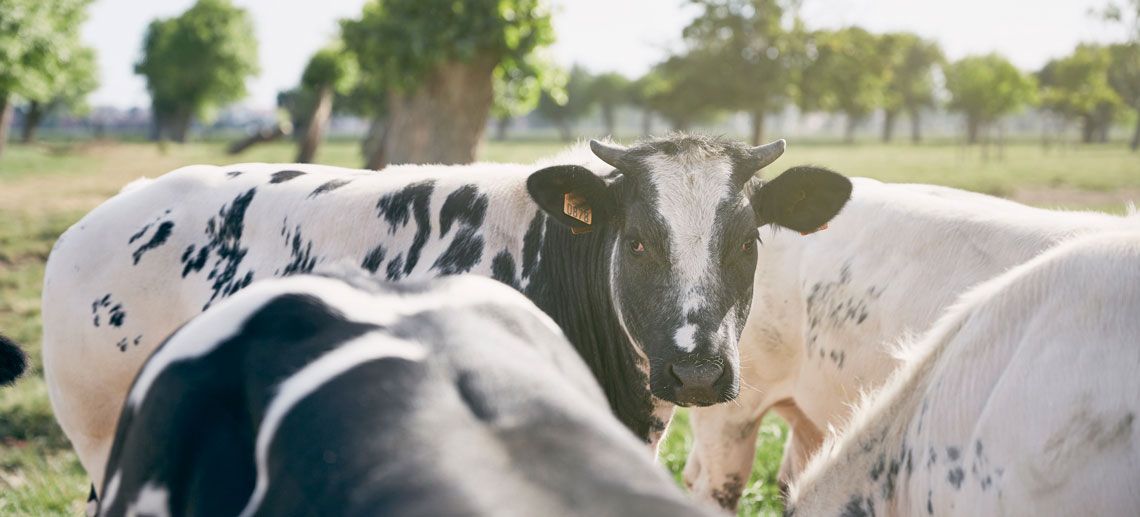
x,y
1074,198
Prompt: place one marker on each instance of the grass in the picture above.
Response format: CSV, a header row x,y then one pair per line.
x,y
44,189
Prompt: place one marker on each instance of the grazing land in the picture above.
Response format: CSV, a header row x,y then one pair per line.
x,y
46,188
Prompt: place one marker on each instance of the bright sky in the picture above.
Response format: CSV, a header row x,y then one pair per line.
x,y
627,36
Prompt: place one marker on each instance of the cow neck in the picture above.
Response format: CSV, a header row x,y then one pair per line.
x,y
572,285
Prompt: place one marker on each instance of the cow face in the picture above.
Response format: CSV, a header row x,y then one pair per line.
x,y
680,216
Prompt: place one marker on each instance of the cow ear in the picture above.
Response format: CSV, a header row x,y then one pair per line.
x,y
572,195
803,198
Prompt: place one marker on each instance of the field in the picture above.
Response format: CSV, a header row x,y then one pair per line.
x,y
44,189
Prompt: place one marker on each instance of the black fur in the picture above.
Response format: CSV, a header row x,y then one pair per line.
x,y
13,362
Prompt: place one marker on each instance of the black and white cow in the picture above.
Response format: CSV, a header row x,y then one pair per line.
x,y
643,256
12,361
314,395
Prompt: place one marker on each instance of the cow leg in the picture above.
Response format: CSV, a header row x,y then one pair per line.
x,y
804,440
662,417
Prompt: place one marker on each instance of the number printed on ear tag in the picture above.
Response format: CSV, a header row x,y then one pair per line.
x,y
575,206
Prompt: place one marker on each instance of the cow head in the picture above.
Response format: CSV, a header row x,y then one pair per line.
x,y
681,217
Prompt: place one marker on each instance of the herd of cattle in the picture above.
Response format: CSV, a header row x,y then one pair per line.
x,y
503,339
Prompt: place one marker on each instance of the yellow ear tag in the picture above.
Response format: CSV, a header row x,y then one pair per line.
x,y
576,207
820,229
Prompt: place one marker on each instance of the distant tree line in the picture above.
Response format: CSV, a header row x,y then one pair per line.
x,y
431,74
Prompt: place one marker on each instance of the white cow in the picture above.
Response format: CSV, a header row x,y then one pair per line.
x,y
1021,400
828,309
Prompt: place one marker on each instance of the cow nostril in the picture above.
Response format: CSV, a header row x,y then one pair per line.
x,y
700,375
674,375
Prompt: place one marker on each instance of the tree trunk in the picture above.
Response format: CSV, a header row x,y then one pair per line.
x,y
609,119
315,129
443,120
1088,129
5,119
646,122
374,142
889,117
179,125
565,132
973,126
265,134
915,126
502,124
849,131
1136,136
32,120
757,119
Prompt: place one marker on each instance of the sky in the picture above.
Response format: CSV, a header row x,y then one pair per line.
x,y
627,36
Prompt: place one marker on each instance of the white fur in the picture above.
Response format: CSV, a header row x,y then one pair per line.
x,y
911,250
153,501
1031,376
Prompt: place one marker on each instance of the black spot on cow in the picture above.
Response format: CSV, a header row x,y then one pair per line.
x,y
283,176
532,243
503,268
301,258
223,234
729,493
955,477
374,258
398,208
233,174
329,186
930,502
878,468
858,506
122,345
118,315
932,458
465,208
161,234
977,448
953,453
138,235
395,270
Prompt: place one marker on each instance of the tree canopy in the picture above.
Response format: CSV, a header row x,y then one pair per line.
x,y
985,88
846,74
197,62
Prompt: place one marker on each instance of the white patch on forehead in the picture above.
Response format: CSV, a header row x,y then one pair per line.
x,y
689,189
686,337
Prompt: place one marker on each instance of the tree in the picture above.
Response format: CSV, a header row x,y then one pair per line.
x,y
35,39
68,90
753,42
846,76
330,71
519,89
682,96
1124,78
1077,87
439,59
640,94
196,63
985,88
609,90
910,63
564,108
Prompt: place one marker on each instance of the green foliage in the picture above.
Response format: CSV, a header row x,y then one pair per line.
x,y
680,87
847,73
753,42
609,90
1124,72
987,87
910,62
401,41
575,103
518,89
199,61
38,39
330,67
1077,85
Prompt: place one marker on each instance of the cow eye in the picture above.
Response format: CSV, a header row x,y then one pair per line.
x,y
637,247
747,245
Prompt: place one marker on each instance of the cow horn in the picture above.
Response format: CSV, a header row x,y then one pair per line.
x,y
609,153
763,155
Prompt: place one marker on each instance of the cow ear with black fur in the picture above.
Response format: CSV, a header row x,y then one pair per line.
x,y
803,198
572,195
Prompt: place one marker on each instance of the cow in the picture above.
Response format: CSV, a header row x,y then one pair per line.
x,y
341,395
643,255
828,309
12,361
1021,400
